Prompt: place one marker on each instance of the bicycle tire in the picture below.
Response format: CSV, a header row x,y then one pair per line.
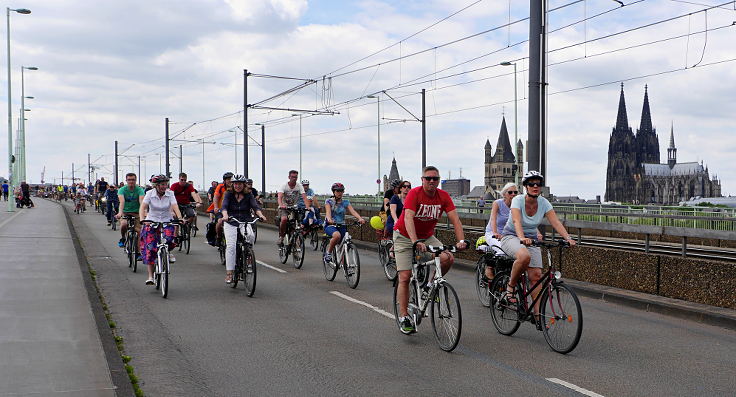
x,y
505,319
134,245
130,250
412,301
165,276
351,259
255,233
156,275
382,253
314,240
447,316
563,326
187,238
481,287
389,269
298,250
250,271
114,224
284,250
221,250
330,269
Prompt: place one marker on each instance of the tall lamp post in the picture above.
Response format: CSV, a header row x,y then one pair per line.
x,y
22,144
378,124
11,199
300,144
516,124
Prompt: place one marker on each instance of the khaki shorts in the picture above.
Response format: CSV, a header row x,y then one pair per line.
x,y
403,251
136,220
512,244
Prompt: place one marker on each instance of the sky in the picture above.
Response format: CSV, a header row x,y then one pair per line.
x,y
113,70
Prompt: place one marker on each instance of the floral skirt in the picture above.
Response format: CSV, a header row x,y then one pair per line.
x,y
149,242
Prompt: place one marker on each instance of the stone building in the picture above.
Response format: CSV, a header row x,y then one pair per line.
x,y
500,167
392,174
634,173
456,187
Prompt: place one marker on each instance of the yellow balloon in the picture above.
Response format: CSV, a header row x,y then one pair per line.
x,y
376,222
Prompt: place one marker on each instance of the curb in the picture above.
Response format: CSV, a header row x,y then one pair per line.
x,y
115,364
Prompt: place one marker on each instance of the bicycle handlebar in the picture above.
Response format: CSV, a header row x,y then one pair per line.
x,y
238,222
157,224
438,250
551,244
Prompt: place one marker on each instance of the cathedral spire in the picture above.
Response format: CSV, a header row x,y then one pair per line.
x,y
672,150
646,117
672,136
504,152
622,121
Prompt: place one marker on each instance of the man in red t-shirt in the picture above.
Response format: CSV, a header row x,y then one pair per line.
x,y
423,207
185,194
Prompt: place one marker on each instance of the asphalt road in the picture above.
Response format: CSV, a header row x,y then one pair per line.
x,y
297,337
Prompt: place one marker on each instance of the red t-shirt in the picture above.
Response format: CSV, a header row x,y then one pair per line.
x,y
427,211
183,193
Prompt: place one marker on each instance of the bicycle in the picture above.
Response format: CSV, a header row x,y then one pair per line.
x,y
185,232
482,283
131,243
245,258
560,314
438,295
386,255
113,221
162,268
293,243
344,256
313,235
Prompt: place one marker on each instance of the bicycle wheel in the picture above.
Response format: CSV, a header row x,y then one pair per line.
x,y
221,249
297,250
382,253
330,268
562,318
249,271
188,238
447,318
130,250
255,233
351,266
114,224
389,269
165,276
157,273
413,302
134,248
284,250
181,237
505,318
481,286
314,239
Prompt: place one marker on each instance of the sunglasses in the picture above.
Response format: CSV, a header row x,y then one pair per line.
x,y
406,186
431,178
339,190
535,184
512,192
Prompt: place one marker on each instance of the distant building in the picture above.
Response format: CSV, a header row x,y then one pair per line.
x,y
569,199
456,187
393,174
500,167
634,173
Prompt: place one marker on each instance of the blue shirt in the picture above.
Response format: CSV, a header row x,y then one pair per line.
x,y
528,223
5,187
111,195
399,207
337,210
300,203
504,212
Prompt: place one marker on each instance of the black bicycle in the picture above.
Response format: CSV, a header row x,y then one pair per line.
x,y
131,245
293,243
386,255
494,261
560,315
185,233
245,258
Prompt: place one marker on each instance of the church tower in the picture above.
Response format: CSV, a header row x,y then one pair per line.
x,y
503,160
646,136
672,150
622,158
487,162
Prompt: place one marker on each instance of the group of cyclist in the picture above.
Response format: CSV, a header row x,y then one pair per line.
x,y
412,215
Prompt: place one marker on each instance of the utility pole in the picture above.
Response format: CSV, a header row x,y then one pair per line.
x,y
424,131
72,173
245,122
168,171
181,160
89,170
116,163
537,145
263,160
139,168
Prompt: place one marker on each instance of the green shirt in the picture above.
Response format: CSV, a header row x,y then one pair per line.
x,y
131,197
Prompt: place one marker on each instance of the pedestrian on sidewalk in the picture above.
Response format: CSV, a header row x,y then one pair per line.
x,y
5,191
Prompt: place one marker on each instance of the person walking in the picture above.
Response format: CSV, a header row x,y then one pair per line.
x,y
5,191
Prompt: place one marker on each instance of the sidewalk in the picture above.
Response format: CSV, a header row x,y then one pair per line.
x,y
49,341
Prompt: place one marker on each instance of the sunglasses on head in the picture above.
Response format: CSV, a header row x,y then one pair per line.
x,y
535,184
431,178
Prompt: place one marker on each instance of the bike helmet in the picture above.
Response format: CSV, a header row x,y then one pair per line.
x,y
395,183
239,178
227,175
305,181
248,180
532,175
338,186
159,179
480,242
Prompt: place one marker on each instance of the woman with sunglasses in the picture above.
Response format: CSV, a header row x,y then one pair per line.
x,y
527,212
396,205
500,212
335,209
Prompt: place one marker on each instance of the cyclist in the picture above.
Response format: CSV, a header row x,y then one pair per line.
x,y
185,194
130,198
499,216
100,187
335,208
527,212
394,189
66,192
313,215
423,207
211,196
287,196
82,193
218,196
396,206
111,194
238,203
159,205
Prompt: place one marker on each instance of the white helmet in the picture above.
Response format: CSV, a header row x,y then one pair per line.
x,y
531,175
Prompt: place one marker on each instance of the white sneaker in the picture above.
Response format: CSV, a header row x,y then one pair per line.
x,y
150,282
172,259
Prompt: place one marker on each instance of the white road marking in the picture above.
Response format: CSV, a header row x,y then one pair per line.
x,y
360,302
11,218
574,387
270,267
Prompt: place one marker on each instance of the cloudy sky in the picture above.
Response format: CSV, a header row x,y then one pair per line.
x,y
111,70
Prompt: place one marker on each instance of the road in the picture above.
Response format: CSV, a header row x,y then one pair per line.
x,y
296,336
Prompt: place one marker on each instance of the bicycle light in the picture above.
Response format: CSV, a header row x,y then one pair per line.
x,y
558,275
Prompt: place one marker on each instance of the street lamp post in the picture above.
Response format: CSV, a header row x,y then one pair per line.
x,y
11,199
516,124
22,144
378,124
300,144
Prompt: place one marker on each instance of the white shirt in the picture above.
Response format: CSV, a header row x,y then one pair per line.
x,y
159,208
291,196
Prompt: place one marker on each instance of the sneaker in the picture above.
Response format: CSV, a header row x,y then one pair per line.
x,y
172,259
280,241
327,258
150,282
109,223
195,227
406,325
121,243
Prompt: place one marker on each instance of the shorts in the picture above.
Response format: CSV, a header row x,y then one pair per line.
x,y
289,214
136,220
187,211
511,245
403,251
330,229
